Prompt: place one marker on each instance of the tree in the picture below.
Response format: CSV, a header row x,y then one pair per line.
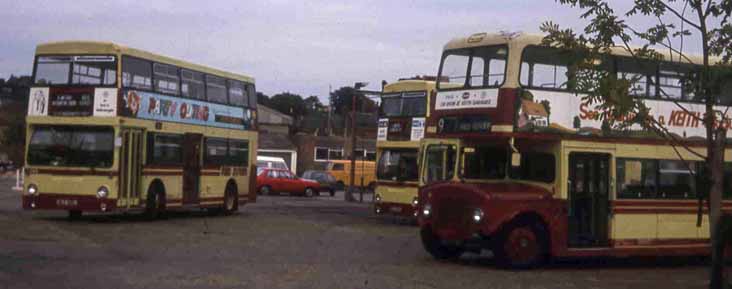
x,y
262,99
342,97
288,103
313,104
673,20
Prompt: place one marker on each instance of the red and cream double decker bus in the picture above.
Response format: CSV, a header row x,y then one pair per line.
x,y
112,128
401,127
515,162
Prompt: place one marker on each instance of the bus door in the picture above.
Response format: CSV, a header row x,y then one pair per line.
x,y
589,203
130,167
191,168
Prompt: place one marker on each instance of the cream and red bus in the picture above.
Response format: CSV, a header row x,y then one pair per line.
x,y
117,129
402,116
516,162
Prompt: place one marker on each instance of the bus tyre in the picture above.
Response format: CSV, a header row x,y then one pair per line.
x,y
230,202
154,204
265,190
522,244
437,248
309,192
74,215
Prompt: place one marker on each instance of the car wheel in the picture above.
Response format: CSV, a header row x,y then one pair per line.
x,y
521,245
309,192
265,190
332,192
436,247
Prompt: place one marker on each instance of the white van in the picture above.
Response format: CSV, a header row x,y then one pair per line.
x,y
264,162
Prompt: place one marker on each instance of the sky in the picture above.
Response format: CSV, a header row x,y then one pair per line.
x,y
303,47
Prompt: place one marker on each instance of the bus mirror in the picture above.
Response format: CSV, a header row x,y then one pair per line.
x,y
515,159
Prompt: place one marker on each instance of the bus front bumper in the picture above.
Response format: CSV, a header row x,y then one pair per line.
x,y
68,202
396,209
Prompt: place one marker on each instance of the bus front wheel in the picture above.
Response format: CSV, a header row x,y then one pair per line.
x,y
437,248
521,244
230,201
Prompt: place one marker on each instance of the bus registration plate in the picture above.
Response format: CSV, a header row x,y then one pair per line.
x,y
66,203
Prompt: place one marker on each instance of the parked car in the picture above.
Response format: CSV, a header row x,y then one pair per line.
x,y
328,182
264,162
271,181
341,170
6,166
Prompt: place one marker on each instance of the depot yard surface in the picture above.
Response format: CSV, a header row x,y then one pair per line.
x,y
279,242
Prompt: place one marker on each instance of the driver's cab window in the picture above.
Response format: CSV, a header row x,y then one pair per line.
x,y
440,163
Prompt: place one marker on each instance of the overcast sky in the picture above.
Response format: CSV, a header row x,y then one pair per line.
x,y
296,46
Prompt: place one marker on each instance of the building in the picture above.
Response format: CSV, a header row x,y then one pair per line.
x,y
274,136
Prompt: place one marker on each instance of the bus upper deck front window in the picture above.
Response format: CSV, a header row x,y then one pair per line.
x,y
408,104
439,163
82,70
473,67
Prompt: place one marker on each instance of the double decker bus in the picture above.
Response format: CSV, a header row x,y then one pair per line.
x,y
117,129
402,116
514,161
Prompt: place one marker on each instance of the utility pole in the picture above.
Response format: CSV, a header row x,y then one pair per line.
x,y
351,187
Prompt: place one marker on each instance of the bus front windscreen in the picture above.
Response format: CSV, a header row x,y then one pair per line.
x,y
71,146
440,161
398,165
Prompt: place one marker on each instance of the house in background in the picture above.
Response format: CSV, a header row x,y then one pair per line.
x,y
274,136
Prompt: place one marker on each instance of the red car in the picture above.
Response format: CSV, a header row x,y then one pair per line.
x,y
279,180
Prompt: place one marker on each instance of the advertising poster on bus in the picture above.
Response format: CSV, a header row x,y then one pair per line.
x,y
146,105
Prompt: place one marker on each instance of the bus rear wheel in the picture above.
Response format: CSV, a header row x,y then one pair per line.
x,y
230,202
437,248
155,204
521,245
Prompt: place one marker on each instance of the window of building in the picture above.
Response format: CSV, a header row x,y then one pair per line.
x,y
216,89
325,154
136,73
164,149
166,78
192,84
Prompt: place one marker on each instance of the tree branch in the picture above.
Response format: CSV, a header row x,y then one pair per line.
x,y
669,8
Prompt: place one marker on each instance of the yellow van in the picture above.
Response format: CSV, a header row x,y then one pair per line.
x,y
341,170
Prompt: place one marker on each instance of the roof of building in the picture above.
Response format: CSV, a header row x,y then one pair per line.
x,y
275,141
267,115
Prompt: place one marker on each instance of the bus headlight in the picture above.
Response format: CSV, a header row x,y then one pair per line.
x,y
415,201
32,189
102,192
377,198
427,210
477,215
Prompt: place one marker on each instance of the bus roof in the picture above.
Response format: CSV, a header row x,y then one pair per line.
x,y
520,40
410,85
97,47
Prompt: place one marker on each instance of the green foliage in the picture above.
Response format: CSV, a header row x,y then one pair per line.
x,y
341,100
288,103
